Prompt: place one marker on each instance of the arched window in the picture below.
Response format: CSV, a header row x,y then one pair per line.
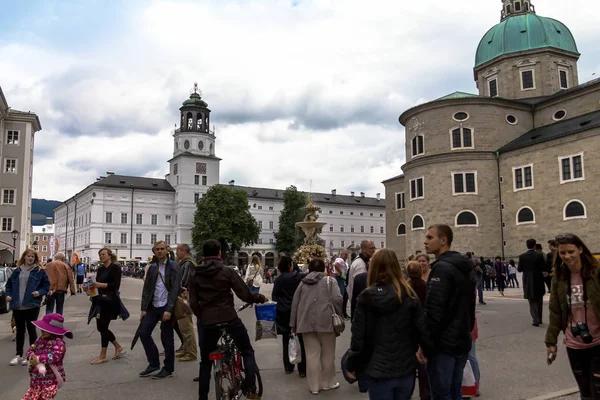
x,y
418,222
198,121
466,218
190,121
525,215
461,138
575,209
401,231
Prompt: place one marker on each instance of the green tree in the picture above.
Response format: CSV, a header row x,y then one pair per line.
x,y
223,214
290,237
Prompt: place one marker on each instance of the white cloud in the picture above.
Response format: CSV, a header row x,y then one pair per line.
x,y
298,93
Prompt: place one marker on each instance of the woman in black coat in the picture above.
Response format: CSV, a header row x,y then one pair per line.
x,y
283,293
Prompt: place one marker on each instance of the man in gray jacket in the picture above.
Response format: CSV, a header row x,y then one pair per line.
x,y
160,292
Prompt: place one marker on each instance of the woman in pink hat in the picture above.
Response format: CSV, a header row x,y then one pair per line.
x,y
46,358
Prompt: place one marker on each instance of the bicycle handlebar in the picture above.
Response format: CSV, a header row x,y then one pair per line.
x,y
242,308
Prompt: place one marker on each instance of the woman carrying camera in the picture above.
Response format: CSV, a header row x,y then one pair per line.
x,y
575,310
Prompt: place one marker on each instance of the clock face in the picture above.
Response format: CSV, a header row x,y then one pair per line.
x,y
201,168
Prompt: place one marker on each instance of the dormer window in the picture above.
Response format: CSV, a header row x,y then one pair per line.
x,y
493,87
527,80
526,6
517,6
508,9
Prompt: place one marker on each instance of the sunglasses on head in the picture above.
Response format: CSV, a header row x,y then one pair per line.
x,y
562,238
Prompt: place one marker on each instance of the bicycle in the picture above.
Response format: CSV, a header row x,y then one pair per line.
x,y
229,373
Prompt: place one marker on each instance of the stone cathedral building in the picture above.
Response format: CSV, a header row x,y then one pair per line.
x,y
519,159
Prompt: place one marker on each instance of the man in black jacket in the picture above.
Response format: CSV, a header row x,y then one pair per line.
x,y
449,313
159,295
212,302
532,264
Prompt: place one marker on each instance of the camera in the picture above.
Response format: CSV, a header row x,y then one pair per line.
x,y
583,331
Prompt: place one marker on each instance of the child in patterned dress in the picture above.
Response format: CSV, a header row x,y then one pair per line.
x,y
46,358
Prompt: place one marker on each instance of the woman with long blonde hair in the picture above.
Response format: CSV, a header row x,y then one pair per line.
x,y
24,291
387,330
255,275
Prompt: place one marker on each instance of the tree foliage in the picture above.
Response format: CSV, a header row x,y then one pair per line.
x,y
290,237
223,214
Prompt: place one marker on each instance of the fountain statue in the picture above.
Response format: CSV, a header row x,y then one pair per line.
x,y
310,249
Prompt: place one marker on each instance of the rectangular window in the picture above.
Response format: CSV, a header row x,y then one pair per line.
x,y
372,230
351,212
12,137
196,179
154,219
572,168
196,197
138,219
341,213
167,220
44,248
8,196
330,211
342,243
260,207
123,218
362,229
271,241
518,6
168,239
204,180
382,245
123,238
260,224
563,78
260,241
44,259
527,80
138,238
153,238
342,228
523,177
10,166
107,237
108,219
381,229
44,238
493,86
175,169
465,182
7,224
330,228
416,189
270,224
400,203
271,208
351,228
417,146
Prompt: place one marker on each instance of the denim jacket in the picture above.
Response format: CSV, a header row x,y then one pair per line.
x,y
38,281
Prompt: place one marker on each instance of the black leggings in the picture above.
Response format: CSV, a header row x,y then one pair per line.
x,y
106,335
585,364
23,319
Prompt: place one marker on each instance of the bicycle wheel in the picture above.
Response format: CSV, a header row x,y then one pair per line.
x,y
223,384
259,384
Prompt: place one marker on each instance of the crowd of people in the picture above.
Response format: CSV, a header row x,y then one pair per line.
x,y
411,323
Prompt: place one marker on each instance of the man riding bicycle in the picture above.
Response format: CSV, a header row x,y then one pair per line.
x,y
212,302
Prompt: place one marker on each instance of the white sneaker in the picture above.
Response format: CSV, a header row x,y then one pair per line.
x,y
25,362
15,360
335,386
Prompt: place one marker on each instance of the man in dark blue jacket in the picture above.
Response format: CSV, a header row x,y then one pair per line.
x,y
449,313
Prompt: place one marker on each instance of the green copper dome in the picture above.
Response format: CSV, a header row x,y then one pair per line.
x,y
195,100
521,33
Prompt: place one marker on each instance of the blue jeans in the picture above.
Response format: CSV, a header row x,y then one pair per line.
x,y
59,299
474,363
153,317
342,285
391,389
480,288
445,376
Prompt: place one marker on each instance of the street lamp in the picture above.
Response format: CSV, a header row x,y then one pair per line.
x,y
15,235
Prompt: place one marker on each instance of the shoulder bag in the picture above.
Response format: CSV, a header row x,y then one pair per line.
x,y
339,325
250,282
182,306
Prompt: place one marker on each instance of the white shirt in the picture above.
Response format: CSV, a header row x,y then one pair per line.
x,y
161,295
343,264
358,267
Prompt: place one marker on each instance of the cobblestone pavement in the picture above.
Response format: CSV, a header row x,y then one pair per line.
x,y
511,353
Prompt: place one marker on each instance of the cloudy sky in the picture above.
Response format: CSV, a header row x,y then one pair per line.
x,y
300,89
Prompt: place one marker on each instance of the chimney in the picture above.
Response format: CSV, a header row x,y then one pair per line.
x,y
231,182
378,196
334,192
362,194
352,194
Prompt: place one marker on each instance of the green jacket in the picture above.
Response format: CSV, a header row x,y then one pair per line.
x,y
559,309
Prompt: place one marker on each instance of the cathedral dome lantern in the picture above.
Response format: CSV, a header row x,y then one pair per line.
x,y
195,114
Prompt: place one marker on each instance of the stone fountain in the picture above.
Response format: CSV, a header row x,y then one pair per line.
x,y
310,225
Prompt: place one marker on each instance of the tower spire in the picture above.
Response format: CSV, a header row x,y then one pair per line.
x,y
516,7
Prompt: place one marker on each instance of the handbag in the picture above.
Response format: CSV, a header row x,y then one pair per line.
x,y
339,325
182,307
250,282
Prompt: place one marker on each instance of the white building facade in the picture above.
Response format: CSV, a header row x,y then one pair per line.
x,y
129,214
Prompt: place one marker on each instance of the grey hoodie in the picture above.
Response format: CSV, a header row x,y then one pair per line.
x,y
311,309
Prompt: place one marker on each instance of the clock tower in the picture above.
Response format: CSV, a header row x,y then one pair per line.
x,y
194,167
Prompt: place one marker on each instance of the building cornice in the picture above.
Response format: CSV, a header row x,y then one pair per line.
x,y
449,157
20,116
192,155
